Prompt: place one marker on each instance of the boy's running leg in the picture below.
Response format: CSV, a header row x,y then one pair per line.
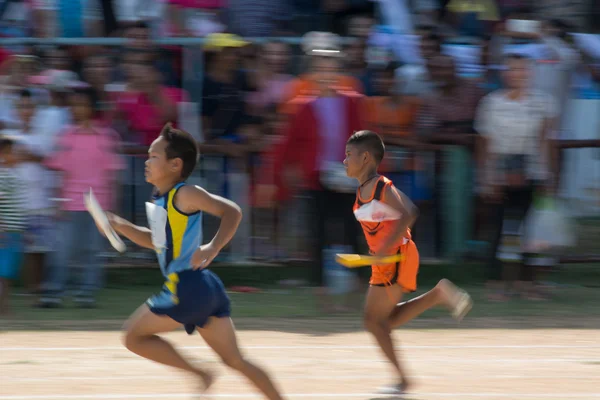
x,y
219,334
141,339
444,293
380,303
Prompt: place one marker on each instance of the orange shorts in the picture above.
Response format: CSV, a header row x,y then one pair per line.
x,y
403,273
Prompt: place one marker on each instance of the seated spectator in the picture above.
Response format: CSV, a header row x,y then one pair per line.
x,y
87,158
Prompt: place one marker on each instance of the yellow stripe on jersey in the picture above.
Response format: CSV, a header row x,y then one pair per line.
x,y
171,284
178,223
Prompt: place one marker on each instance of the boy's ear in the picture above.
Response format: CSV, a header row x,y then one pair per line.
x,y
176,163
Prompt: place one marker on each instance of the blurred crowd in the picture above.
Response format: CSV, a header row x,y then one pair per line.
x,y
272,118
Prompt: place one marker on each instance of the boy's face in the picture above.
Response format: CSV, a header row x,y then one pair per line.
x,y
355,161
159,169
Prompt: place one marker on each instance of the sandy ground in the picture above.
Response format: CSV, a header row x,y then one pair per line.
x,y
443,363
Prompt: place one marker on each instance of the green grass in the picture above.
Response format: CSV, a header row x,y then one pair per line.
x,y
115,304
576,298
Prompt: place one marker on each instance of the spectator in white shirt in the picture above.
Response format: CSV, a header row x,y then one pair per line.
x,y
515,124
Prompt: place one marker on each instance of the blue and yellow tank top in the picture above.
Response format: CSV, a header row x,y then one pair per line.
x,y
175,234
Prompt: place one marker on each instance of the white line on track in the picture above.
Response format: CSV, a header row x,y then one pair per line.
x,y
369,361
97,378
298,395
324,347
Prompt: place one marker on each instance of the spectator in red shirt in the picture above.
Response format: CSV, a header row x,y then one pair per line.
x,y
313,146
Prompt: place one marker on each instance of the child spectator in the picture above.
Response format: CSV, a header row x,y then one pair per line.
x,y
87,158
12,221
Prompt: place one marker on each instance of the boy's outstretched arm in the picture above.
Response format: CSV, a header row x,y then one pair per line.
x,y
408,213
139,235
191,199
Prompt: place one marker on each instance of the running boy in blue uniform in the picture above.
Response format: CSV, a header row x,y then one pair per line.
x,y
192,295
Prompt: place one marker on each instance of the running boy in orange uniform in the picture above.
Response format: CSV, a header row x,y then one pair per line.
x,y
386,215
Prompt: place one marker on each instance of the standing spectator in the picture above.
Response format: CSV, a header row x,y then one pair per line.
x,y
16,73
165,59
149,104
356,65
515,124
447,117
142,110
256,18
450,108
394,116
224,114
314,140
67,18
33,147
307,83
417,74
97,72
87,158
271,77
554,73
12,222
194,17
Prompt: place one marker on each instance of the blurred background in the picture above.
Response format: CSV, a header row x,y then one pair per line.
x,y
490,110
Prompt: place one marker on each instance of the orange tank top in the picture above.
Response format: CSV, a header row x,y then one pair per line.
x,y
378,220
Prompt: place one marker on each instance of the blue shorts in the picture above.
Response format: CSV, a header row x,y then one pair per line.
x,y
11,254
191,298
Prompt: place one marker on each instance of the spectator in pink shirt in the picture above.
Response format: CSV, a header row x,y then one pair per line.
x,y
88,158
150,105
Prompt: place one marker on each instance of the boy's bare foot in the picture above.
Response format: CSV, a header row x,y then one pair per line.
x,y
207,381
398,389
457,300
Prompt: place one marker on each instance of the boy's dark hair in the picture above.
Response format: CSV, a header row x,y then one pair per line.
x,y
369,141
181,145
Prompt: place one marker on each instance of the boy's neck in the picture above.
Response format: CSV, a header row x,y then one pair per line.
x,y
166,187
367,175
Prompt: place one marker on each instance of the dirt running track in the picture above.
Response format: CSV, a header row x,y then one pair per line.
x,y
453,363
